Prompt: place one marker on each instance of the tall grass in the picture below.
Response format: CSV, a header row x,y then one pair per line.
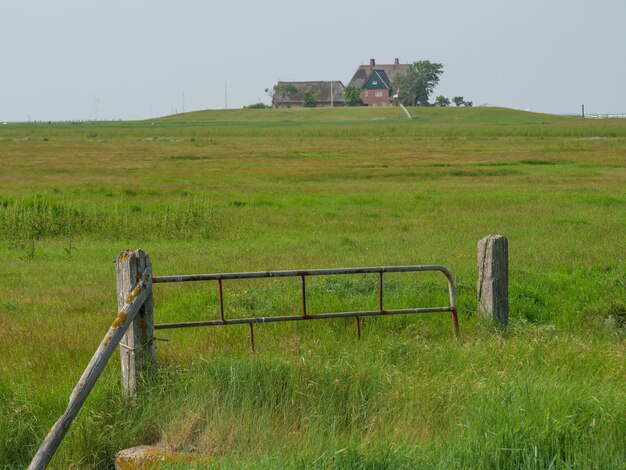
x,y
24,221
397,399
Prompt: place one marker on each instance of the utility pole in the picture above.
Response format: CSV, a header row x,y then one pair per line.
x,y
583,111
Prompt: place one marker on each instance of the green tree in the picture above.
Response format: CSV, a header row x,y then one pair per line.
x,y
415,86
257,106
309,98
442,101
458,100
469,104
351,96
280,92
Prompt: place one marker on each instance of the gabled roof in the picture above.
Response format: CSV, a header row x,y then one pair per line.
x,y
322,92
376,79
391,70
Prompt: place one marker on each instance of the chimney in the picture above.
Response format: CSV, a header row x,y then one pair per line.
x,y
396,61
372,62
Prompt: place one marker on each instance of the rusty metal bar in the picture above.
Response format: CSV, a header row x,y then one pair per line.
x,y
358,327
452,294
309,272
221,298
380,292
455,322
303,283
317,316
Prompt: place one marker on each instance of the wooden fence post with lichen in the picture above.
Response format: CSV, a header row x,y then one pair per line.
x,y
132,303
137,349
493,279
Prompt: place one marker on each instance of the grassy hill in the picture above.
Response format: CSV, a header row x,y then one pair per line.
x,y
245,190
321,115
365,114
445,122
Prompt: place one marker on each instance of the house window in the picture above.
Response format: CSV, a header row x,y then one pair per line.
x,y
374,83
378,94
366,94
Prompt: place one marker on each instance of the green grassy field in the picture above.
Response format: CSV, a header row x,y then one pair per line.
x,y
247,190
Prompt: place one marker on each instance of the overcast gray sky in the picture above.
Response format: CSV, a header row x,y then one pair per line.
x,y
67,59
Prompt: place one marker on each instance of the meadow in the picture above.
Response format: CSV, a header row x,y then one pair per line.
x,y
248,190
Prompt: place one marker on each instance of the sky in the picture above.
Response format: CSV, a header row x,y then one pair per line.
x,y
135,59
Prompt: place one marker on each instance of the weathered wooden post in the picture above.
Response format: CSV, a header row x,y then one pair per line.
x,y
137,349
131,304
493,279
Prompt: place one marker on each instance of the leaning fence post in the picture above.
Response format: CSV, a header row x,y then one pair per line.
x,y
493,279
137,350
124,318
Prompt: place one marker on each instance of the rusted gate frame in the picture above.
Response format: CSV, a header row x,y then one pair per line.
x,y
303,274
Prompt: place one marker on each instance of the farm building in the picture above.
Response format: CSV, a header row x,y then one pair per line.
x,y
376,82
292,94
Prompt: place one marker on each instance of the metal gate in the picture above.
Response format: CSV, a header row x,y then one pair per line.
x,y
303,274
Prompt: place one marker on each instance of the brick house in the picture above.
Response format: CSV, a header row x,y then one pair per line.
x,y
376,90
376,82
